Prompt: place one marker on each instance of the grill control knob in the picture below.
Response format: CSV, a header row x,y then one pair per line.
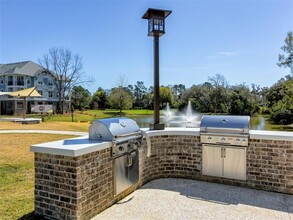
x,y
223,139
129,146
121,148
209,138
237,140
243,140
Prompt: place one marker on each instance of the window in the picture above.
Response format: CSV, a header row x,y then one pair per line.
x,y
40,91
45,80
10,80
50,83
40,83
28,82
20,80
1,81
50,94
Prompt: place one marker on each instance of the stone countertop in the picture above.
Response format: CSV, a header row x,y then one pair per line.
x,y
71,147
82,145
172,131
271,135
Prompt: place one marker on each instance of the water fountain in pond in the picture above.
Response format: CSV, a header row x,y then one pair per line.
x,y
168,112
189,115
186,118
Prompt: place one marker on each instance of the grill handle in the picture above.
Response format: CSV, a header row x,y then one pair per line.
x,y
222,130
128,134
127,138
148,141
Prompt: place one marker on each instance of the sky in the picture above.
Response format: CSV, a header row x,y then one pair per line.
x,y
240,39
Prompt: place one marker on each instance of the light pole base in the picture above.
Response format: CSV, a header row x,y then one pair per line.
x,y
157,126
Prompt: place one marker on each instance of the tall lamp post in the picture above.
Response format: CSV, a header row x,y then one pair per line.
x,y
156,28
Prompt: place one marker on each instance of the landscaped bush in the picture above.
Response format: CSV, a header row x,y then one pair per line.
x,y
283,117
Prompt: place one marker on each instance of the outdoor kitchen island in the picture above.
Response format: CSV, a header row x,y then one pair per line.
x,y
74,178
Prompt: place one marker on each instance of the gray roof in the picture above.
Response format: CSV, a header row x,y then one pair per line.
x,y
27,68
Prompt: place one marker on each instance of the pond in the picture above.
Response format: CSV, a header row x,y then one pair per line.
x,y
256,123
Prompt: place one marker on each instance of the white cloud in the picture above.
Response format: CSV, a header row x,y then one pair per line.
x,y
220,54
226,53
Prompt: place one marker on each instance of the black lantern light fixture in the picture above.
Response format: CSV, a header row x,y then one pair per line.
x,y
156,28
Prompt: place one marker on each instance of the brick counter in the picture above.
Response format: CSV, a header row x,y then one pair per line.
x,y
73,187
269,162
76,181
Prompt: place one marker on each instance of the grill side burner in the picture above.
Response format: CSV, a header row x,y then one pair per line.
x,y
224,140
126,138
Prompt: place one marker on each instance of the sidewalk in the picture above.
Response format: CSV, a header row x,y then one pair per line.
x,y
77,133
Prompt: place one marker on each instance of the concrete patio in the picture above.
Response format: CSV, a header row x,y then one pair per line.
x,y
189,199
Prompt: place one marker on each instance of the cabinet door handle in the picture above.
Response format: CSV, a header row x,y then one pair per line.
x,y
224,152
126,163
130,160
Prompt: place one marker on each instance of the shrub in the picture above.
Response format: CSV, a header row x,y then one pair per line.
x,y
283,117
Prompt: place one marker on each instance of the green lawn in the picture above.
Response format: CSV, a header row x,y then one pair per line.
x,y
17,173
112,112
77,117
89,115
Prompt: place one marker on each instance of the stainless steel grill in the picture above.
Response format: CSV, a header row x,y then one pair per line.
x,y
225,129
224,141
126,137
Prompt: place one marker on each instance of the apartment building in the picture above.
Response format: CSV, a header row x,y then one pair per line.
x,y
22,75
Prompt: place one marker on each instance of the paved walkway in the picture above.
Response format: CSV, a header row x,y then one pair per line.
x,y
183,199
44,132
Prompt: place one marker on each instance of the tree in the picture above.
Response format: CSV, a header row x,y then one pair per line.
x,y
139,93
121,97
200,97
166,95
243,102
218,80
219,95
66,70
286,61
99,99
178,90
280,101
80,98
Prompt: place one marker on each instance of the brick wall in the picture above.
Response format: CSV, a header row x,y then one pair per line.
x,y
55,186
81,187
270,165
269,162
171,156
73,187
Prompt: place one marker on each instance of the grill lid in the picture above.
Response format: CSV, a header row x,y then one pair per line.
x,y
225,124
110,129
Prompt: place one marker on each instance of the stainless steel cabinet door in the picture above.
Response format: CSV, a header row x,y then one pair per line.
x,y
235,163
212,163
120,174
126,172
133,173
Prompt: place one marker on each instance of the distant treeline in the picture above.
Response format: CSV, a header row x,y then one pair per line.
x,y
214,96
